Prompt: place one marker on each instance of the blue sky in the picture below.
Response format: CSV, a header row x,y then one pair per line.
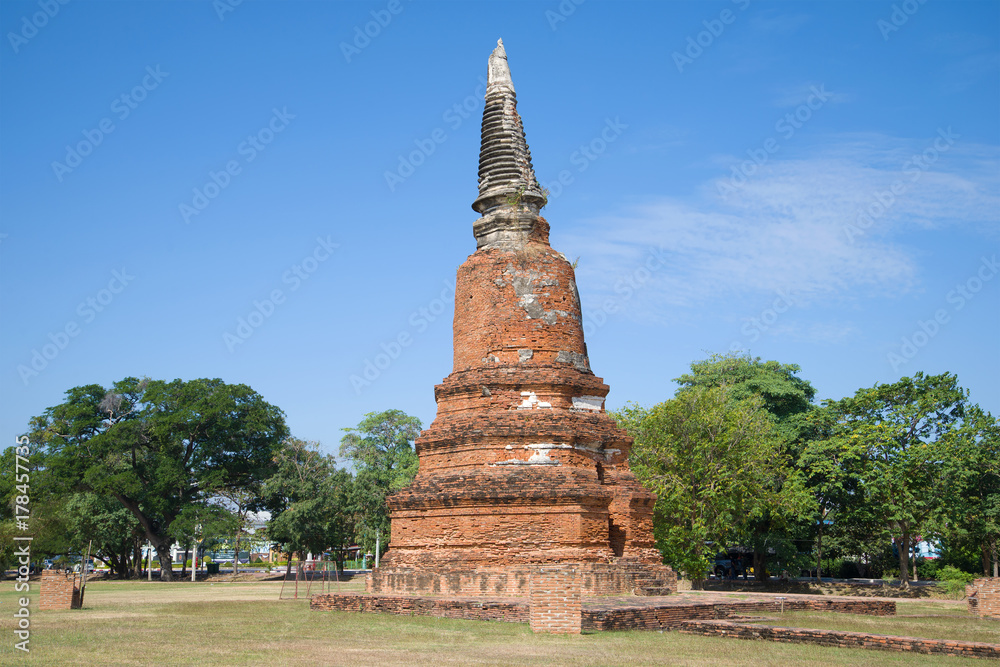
x,y
816,183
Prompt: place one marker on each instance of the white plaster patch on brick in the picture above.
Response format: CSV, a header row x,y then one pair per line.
x,y
591,403
596,448
530,401
539,455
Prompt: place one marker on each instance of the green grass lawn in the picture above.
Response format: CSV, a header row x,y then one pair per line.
x,y
141,623
930,620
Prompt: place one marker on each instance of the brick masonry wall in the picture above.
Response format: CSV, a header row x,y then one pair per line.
x,y
595,614
59,591
555,599
620,578
612,616
984,597
841,639
481,609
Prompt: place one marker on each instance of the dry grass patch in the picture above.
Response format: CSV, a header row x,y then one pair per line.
x,y
140,623
925,619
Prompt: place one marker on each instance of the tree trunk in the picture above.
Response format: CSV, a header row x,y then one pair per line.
x,y
760,572
166,563
985,548
137,558
236,555
904,559
819,552
996,558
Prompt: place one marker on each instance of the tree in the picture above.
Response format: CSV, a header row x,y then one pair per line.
x,y
971,503
309,500
115,533
831,469
242,503
160,447
384,461
786,398
47,525
710,459
907,434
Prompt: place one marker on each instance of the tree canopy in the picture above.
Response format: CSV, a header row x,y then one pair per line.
x,y
158,447
711,459
783,393
309,500
381,448
905,436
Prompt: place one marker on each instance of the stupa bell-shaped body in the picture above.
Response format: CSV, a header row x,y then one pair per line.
x,y
522,465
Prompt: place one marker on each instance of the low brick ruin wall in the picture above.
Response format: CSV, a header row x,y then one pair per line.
x,y
59,591
841,639
594,613
610,616
984,597
469,609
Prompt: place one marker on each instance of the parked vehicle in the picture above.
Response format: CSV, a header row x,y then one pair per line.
x,y
733,563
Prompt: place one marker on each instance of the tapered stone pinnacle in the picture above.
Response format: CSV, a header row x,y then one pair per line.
x,y
506,177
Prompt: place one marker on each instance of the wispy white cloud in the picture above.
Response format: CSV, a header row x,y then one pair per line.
x,y
788,228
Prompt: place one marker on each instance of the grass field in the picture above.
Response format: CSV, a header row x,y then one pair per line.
x,y
930,620
141,623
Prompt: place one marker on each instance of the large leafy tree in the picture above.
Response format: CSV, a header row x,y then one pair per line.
x,y
786,399
831,468
160,447
970,507
908,434
711,459
381,448
309,500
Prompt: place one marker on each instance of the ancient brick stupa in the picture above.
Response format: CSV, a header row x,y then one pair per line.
x,y
522,466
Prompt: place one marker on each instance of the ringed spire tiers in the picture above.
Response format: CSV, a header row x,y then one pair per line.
x,y
509,194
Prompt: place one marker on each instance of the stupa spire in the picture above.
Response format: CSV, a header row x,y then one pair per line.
x,y
507,183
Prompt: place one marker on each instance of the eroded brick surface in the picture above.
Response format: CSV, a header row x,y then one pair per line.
x,y
555,599
984,597
841,639
60,590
